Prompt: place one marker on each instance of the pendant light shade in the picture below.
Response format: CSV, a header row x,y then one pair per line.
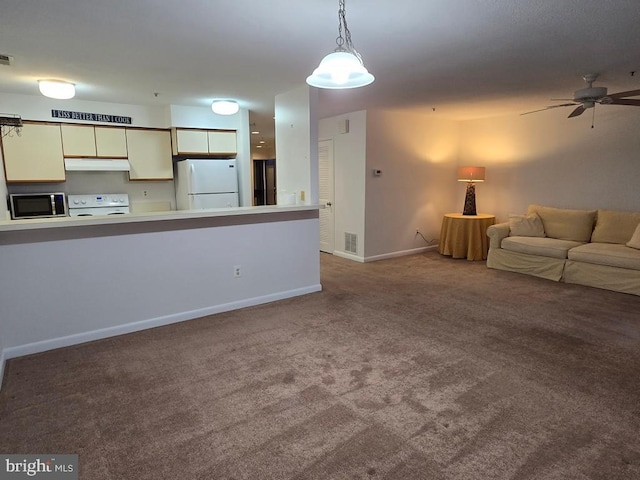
x,y
344,67
340,70
225,107
57,89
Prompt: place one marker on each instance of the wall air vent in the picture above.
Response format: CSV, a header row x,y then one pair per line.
x,y
350,243
6,59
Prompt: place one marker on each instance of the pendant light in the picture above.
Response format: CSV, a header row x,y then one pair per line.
x,y
343,68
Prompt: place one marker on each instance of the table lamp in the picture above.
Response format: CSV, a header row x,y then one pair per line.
x,y
471,175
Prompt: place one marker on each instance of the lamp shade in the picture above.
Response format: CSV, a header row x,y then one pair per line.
x,y
471,174
225,107
57,89
340,70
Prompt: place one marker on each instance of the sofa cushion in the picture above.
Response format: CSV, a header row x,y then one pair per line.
x,y
635,239
564,224
614,227
609,254
546,247
526,226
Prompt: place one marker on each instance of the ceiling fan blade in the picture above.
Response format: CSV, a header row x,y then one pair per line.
x,y
578,111
552,106
625,101
630,93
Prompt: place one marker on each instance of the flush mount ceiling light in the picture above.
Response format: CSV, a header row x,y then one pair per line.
x,y
343,68
225,107
57,89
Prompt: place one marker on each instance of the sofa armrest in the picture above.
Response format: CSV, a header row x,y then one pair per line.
x,y
496,233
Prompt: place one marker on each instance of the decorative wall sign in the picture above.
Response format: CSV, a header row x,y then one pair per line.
x,y
91,117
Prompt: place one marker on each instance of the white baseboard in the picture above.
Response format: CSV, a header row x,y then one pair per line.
x,y
401,253
42,346
384,256
349,256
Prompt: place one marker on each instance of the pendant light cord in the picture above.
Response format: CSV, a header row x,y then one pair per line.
x,y
345,41
342,24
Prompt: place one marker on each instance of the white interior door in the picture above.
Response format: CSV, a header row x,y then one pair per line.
x,y
326,180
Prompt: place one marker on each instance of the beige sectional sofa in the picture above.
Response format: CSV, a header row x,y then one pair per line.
x,y
598,248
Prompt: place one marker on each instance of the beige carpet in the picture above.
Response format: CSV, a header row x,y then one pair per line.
x,y
421,367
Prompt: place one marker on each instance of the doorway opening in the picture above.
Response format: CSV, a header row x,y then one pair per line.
x,y
264,182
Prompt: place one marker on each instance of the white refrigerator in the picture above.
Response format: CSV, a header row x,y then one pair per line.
x,y
206,183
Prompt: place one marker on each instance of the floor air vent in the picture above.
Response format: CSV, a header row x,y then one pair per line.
x,y
350,242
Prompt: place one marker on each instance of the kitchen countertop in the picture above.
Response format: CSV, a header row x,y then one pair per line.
x,y
13,232
137,218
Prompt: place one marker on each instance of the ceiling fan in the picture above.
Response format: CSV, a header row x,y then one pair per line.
x,y
588,97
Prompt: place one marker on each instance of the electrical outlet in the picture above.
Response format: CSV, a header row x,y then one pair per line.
x,y
237,271
417,231
144,193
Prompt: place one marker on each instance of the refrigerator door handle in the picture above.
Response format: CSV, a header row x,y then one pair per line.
x,y
191,169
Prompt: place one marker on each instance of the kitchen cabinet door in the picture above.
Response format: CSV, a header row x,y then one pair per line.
x,y
111,142
78,140
35,156
222,142
190,142
149,154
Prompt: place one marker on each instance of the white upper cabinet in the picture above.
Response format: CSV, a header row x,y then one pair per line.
x,y
78,140
188,141
149,154
222,142
111,142
90,141
35,155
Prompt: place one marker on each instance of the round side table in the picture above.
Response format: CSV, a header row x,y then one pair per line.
x,y
465,236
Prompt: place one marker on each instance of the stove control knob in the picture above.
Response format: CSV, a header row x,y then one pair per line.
x,y
122,200
76,201
83,201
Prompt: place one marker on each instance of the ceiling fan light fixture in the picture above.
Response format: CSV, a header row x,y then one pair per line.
x,y
225,107
57,89
343,68
588,97
588,93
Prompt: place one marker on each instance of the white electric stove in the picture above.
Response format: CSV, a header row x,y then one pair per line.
x,y
101,204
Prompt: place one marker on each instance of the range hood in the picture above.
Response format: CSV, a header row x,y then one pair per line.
x,y
96,165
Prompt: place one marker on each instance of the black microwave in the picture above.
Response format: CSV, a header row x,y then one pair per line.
x,y
37,205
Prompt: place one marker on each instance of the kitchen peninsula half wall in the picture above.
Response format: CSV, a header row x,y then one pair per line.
x,y
114,275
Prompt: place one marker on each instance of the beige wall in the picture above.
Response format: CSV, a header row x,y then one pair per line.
x,y
549,159
543,158
297,144
417,155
